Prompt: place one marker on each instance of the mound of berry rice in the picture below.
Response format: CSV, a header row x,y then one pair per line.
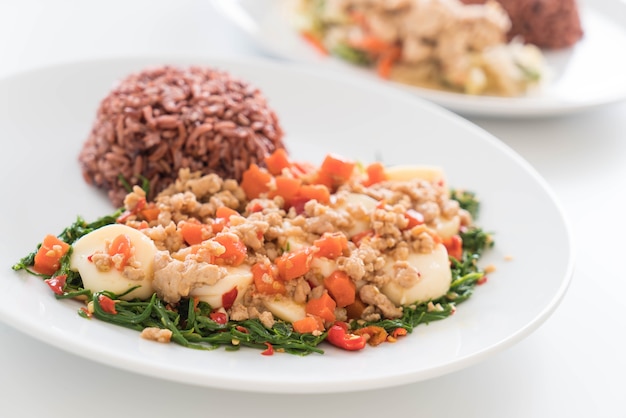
x,y
161,119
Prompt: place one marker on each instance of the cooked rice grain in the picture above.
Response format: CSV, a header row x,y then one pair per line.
x,y
161,119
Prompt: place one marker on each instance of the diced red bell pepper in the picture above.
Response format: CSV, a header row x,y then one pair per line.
x,y
122,246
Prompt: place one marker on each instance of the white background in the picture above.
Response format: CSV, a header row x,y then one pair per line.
x,y
572,366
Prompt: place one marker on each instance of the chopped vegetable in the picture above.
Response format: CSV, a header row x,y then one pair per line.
x,y
374,334
255,181
309,324
193,232
57,283
265,280
286,187
228,298
375,174
234,249
335,170
121,250
323,307
386,62
48,258
454,245
331,245
107,304
277,161
295,263
315,42
339,336
414,218
341,288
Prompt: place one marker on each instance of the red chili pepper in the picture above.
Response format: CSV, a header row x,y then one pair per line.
x,y
374,335
269,350
219,317
255,207
414,218
398,332
107,304
229,297
454,245
482,280
57,283
86,312
242,329
339,337
141,204
124,217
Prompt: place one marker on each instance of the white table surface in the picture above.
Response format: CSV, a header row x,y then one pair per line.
x,y
572,366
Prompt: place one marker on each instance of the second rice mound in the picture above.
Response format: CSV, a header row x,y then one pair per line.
x,y
162,119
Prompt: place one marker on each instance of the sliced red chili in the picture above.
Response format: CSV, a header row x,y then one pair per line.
x,y
339,337
57,283
107,304
269,350
357,238
399,332
374,335
219,317
86,312
141,204
228,298
241,329
454,245
414,218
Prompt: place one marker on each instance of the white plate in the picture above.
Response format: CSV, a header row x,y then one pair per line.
x,y
588,75
46,114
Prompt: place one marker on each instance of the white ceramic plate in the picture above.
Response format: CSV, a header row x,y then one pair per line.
x,y
588,75
46,114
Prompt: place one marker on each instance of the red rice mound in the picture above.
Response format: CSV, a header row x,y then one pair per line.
x,y
548,24
161,119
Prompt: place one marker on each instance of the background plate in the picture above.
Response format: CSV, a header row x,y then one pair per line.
x,y
45,115
588,75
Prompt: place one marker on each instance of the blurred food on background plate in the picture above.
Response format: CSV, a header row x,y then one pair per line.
x,y
549,24
442,44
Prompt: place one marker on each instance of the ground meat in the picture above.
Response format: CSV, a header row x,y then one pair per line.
x,y
550,24
161,119
301,291
405,275
174,279
371,295
167,237
250,231
157,334
239,312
